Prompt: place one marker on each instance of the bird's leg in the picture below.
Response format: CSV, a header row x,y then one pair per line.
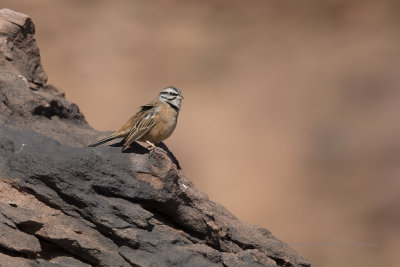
x,y
152,146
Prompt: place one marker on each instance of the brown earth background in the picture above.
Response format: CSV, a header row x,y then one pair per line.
x,y
291,110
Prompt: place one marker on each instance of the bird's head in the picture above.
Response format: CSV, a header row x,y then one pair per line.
x,y
172,96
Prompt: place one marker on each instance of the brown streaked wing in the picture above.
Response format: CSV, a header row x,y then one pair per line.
x,y
142,122
135,118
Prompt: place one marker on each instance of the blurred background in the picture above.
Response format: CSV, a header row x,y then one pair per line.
x,y
291,110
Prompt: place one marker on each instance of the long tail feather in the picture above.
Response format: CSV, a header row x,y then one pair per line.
x,y
104,140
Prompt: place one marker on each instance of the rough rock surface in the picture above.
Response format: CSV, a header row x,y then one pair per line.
x,y
63,204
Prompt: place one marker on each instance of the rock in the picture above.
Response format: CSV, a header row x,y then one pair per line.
x,y
14,240
9,261
19,46
64,204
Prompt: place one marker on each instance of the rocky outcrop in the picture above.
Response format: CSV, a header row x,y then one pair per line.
x,y
63,204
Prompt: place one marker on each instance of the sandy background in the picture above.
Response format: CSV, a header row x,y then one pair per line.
x,y
291,110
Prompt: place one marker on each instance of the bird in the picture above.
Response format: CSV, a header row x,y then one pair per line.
x,y
153,123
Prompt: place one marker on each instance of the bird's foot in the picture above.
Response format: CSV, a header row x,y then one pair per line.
x,y
151,145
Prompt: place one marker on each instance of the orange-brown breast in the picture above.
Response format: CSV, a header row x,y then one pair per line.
x,y
166,118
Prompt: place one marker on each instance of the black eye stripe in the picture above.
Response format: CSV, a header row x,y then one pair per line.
x,y
169,93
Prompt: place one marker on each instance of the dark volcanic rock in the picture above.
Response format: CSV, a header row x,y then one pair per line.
x,y
64,204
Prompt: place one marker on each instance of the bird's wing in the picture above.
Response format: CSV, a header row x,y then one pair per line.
x,y
126,128
141,123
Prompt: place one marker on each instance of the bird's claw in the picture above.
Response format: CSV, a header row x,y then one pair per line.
x,y
151,146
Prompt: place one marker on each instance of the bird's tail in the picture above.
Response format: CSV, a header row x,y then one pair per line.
x,y
104,140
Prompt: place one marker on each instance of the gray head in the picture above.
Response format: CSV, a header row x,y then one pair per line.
x,y
172,96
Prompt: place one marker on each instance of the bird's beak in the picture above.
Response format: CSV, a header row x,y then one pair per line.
x,y
181,97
